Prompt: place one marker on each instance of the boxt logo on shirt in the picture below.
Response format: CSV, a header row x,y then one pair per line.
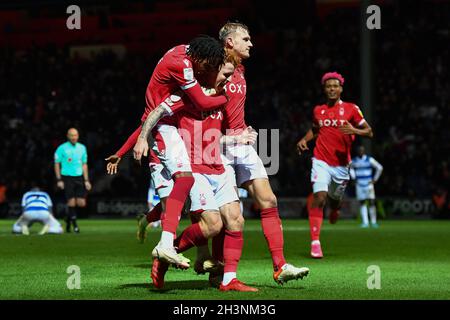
x,y
236,88
331,122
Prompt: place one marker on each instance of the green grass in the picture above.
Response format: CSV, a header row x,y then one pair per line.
x,y
414,258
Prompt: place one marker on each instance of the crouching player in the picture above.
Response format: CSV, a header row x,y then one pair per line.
x,y
37,207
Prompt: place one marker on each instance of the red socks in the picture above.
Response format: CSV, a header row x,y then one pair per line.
x,y
273,232
232,249
315,222
154,214
175,203
190,237
217,245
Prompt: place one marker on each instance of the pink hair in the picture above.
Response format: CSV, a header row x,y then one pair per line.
x,y
333,75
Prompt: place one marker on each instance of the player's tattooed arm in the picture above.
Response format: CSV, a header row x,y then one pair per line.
x,y
248,136
141,147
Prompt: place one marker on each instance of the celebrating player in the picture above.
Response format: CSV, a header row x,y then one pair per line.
x,y
176,71
335,125
212,197
361,170
243,163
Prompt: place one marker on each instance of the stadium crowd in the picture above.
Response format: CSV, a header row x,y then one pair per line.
x,y
47,91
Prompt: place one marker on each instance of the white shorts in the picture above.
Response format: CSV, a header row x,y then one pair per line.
x,y
210,192
171,150
161,180
36,215
244,163
365,192
330,179
54,225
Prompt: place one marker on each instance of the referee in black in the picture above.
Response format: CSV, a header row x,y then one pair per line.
x,y
72,176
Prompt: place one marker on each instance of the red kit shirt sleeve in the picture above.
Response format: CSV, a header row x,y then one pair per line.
x,y
357,117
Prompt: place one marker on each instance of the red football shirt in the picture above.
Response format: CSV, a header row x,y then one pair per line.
x,y
173,71
236,89
332,146
201,132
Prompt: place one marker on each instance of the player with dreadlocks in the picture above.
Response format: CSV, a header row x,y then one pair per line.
x,y
176,70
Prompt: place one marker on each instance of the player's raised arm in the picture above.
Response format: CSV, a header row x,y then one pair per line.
x,y
113,160
141,146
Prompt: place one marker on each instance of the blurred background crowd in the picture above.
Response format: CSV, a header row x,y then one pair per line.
x,y
46,88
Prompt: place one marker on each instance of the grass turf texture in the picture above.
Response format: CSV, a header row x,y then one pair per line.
x,y
413,257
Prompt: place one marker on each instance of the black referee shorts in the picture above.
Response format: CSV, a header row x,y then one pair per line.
x,y
74,187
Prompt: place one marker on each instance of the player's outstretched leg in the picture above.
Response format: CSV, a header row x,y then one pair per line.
x,y
196,234
165,249
204,262
266,200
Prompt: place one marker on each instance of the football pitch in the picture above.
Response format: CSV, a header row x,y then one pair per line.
x,y
413,258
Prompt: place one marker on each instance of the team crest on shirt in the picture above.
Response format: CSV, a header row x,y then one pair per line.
x,y
322,112
69,160
202,199
341,111
179,162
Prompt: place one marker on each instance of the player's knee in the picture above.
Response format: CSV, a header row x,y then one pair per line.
x,y
71,202
212,224
319,200
267,201
240,221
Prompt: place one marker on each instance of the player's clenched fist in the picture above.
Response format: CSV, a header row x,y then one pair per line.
x,y
113,163
140,149
302,146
